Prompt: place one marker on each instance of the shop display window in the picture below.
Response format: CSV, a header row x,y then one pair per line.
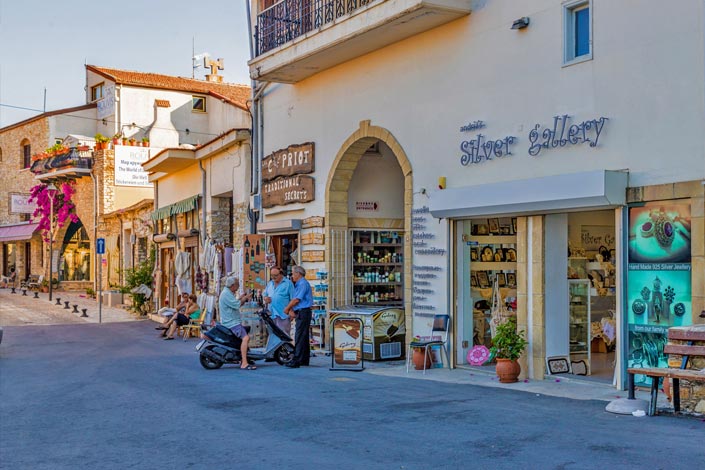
x,y
377,264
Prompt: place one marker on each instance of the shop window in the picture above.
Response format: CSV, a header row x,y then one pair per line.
x,y
198,104
26,149
577,31
97,92
75,258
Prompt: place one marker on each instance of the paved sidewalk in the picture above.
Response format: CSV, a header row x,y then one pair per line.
x,y
563,386
16,309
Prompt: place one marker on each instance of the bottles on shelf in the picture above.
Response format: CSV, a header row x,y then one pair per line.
x,y
377,267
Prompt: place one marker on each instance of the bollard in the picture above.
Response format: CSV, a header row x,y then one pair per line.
x,y
24,292
75,308
66,305
13,290
84,314
58,301
36,294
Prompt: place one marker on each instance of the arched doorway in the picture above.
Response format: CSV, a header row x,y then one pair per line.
x,y
340,219
75,254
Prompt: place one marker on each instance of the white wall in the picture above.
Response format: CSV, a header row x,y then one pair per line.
x,y
77,122
378,179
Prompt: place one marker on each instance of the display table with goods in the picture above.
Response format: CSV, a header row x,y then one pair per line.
x,y
377,267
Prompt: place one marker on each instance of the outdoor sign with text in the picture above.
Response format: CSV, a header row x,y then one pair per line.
x,y
296,159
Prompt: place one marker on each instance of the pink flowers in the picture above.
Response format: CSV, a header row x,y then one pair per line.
x,y
63,209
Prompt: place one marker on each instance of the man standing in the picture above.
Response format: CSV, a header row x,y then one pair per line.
x,y
277,295
300,308
229,308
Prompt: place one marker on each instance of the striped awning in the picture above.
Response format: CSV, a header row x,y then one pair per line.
x,y
179,207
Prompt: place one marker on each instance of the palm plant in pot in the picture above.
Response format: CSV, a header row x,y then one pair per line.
x,y
507,345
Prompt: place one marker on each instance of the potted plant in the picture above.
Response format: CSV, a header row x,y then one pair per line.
x,y
116,139
101,141
419,356
145,141
45,286
132,141
507,345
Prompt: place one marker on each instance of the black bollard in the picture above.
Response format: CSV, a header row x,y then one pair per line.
x,y
58,301
24,292
13,290
75,308
66,305
84,314
36,294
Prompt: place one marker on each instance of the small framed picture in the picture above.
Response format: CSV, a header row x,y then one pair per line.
x,y
499,255
487,255
473,280
482,229
494,226
511,279
510,255
501,280
514,225
505,230
483,279
474,254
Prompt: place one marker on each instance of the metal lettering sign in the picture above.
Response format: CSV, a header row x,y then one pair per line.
x,y
294,160
100,246
288,190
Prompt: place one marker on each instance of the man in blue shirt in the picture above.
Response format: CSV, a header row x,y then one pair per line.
x,y
300,308
277,295
229,310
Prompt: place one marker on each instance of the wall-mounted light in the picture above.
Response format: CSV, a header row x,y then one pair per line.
x,y
441,182
521,23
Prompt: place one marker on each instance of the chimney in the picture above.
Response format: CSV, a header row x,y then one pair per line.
x,y
163,134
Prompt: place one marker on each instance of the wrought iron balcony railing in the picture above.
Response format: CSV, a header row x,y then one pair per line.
x,y
73,159
289,19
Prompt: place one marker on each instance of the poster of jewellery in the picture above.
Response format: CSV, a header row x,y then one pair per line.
x,y
658,280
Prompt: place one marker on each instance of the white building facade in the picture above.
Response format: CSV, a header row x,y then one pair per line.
x,y
551,149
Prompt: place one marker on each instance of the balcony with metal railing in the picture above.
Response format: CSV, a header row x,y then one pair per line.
x,y
299,38
74,163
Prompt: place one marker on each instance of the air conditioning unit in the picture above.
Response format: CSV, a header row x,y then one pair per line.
x,y
256,202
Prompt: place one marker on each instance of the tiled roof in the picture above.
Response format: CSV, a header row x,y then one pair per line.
x,y
233,93
162,103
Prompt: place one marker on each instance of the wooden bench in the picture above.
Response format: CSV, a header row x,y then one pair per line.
x,y
688,351
33,281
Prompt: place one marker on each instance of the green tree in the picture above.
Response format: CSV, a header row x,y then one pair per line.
x,y
135,277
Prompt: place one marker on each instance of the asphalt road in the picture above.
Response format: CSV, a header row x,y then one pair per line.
x,y
114,396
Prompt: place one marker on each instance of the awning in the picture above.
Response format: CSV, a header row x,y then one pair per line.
x,y
11,233
180,207
559,193
274,226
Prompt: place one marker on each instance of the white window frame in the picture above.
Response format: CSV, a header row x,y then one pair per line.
x,y
569,9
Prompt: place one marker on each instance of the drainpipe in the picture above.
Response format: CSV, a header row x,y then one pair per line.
x,y
203,205
95,233
157,252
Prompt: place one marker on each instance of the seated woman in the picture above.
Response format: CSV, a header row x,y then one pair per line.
x,y
192,312
9,281
169,312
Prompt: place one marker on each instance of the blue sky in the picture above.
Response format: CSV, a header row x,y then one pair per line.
x,y
46,43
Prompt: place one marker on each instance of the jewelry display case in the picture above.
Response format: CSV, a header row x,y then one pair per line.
x,y
579,311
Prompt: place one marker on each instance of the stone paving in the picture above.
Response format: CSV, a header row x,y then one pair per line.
x,y
18,310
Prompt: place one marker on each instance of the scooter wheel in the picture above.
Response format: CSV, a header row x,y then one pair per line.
x,y
209,363
284,354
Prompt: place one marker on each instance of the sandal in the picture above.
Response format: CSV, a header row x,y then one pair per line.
x,y
168,338
160,328
249,367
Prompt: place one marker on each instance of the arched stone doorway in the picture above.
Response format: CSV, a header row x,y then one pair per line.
x,y
338,214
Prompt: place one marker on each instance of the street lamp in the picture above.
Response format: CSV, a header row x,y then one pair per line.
x,y
52,193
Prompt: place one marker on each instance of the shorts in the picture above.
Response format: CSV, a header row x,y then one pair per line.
x,y
182,319
239,331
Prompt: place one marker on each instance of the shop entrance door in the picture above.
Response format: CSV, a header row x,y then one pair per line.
x,y
580,280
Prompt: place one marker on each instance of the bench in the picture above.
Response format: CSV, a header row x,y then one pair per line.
x,y
33,281
687,351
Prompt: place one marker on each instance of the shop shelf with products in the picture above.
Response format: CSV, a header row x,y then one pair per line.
x,y
377,267
319,286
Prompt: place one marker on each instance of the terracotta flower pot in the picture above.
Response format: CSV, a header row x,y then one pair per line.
x,y
418,359
508,370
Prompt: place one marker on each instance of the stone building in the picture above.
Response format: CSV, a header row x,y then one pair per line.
x,y
22,247
519,151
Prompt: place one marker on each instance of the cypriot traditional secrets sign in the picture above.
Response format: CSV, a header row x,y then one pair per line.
x,y
288,190
294,160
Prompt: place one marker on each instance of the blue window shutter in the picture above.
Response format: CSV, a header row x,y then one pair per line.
x,y
582,32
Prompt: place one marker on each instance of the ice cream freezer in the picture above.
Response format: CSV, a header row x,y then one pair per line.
x,y
384,329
